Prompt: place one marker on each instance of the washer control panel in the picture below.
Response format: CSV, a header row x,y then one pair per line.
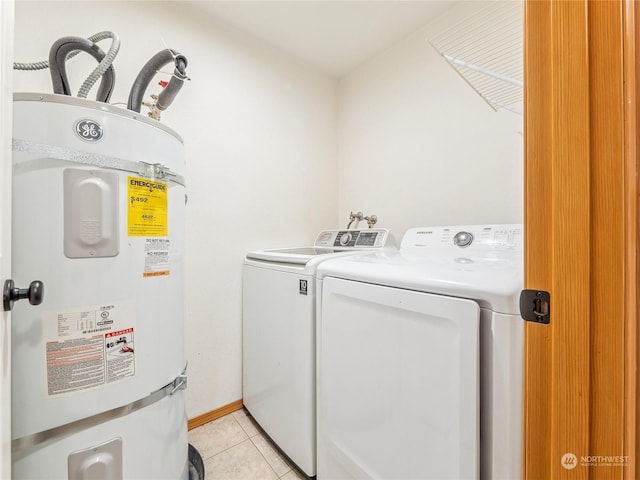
x,y
366,238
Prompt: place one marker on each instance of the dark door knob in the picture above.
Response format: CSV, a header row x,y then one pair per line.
x,y
11,294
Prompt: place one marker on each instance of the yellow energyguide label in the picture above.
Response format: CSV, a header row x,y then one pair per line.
x,y
147,212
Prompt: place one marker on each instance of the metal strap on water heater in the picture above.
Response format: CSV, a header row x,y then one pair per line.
x,y
149,170
178,383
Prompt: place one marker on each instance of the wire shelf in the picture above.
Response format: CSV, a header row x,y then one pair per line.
x,y
485,47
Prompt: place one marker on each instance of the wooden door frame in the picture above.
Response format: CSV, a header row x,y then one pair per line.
x,y
631,39
581,215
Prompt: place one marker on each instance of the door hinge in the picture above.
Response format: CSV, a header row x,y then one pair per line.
x,y
535,306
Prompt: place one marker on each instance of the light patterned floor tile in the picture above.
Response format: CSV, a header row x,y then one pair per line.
x,y
275,459
293,474
217,436
246,422
242,462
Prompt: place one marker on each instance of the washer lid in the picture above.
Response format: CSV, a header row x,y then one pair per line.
x,y
327,242
301,255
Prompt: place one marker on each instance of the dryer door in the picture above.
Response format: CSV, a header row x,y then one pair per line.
x,y
398,383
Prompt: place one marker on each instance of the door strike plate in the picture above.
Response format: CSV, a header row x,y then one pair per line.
x,y
535,306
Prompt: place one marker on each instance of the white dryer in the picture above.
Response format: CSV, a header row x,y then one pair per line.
x,y
419,358
278,369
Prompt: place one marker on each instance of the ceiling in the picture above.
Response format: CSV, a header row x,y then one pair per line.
x,y
333,36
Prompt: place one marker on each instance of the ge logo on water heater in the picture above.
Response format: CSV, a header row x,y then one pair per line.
x,y
89,130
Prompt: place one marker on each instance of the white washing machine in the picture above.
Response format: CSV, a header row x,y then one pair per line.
x,y
278,370
419,358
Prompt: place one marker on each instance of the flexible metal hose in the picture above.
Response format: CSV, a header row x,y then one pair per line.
x,y
31,66
147,73
104,64
102,68
57,65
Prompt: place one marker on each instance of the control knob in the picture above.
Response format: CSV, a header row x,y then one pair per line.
x,y
345,238
463,239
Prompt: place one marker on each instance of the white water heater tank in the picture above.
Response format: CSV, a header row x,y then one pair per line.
x,y
99,366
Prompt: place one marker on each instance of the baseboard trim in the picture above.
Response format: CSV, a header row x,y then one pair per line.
x,y
214,414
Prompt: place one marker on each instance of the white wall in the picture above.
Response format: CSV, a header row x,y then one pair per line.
x,y
259,131
417,146
263,135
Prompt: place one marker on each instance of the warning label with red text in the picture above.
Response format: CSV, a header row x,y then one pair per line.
x,y
89,347
75,364
120,359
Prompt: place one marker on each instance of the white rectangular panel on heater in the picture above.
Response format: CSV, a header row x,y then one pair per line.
x,y
97,461
90,213
398,383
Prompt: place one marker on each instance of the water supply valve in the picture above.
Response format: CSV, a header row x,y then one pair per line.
x,y
371,220
355,217
154,111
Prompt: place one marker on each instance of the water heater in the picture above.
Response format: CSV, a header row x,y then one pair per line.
x,y
99,367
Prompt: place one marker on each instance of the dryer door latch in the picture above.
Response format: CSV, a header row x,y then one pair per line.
x,y
535,306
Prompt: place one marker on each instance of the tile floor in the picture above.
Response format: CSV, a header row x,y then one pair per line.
x,y
234,448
